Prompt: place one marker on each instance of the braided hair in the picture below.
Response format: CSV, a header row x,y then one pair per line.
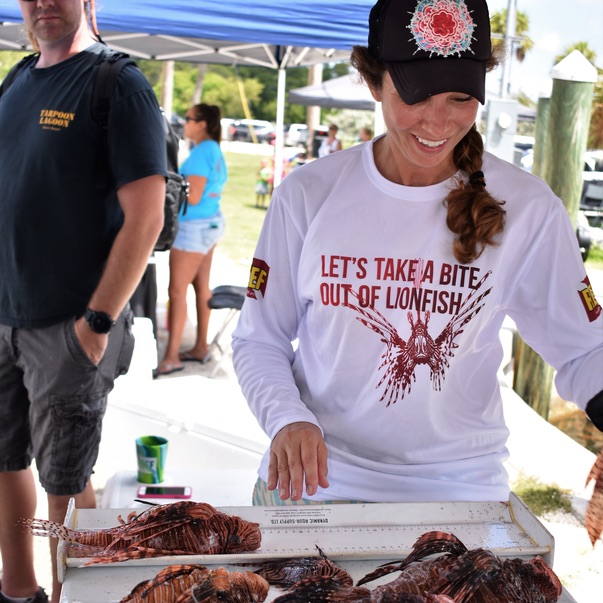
x,y
473,215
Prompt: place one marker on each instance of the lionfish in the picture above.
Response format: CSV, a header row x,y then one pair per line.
x,y
180,528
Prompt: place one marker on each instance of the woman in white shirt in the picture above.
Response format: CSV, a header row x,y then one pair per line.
x,y
331,143
392,266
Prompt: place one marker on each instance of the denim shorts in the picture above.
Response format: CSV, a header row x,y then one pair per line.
x,y
199,236
54,399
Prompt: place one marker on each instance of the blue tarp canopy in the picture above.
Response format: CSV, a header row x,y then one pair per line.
x,y
271,33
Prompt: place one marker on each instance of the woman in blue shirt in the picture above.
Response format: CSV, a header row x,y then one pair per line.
x,y
198,232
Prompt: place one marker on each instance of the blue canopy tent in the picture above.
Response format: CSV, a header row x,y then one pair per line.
x,y
270,33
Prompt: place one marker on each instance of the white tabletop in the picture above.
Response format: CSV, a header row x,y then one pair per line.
x,y
218,487
207,423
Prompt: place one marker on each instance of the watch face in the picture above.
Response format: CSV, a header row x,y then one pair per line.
x,y
100,322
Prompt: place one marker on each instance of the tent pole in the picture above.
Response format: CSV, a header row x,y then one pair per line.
x,y
279,141
313,114
167,88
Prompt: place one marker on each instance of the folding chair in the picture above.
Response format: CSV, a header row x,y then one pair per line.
x,y
225,297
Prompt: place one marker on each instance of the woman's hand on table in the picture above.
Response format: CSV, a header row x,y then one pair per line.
x,y
297,453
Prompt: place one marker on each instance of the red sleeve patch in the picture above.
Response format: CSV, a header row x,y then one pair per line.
x,y
589,301
258,279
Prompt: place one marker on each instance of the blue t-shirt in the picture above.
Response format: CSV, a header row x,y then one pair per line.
x,y
206,159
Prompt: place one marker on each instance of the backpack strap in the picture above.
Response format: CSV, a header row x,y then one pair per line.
x,y
14,71
102,93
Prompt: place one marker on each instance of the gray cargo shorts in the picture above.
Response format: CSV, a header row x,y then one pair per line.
x,y
53,399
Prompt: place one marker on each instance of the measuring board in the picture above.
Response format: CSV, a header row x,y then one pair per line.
x,y
359,531
357,537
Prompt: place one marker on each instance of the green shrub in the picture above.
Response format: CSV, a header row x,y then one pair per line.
x,y
541,498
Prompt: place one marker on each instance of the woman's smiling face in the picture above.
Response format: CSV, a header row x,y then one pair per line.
x,y
421,138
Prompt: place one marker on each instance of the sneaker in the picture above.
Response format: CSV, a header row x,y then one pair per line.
x,y
39,597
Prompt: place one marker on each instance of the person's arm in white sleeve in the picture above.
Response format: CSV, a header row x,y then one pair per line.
x,y
557,314
263,356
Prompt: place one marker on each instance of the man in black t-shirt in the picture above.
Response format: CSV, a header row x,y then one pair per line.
x,y
71,254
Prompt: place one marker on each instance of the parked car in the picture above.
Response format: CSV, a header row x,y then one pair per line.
x,y
523,151
225,124
591,202
240,129
584,235
593,165
296,135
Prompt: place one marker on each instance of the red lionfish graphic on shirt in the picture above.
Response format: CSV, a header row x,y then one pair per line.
x,y
401,358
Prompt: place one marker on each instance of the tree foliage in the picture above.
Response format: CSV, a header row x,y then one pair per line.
x,y
8,58
230,87
498,24
595,135
227,86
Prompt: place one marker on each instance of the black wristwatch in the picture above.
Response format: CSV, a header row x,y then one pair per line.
x,y
100,322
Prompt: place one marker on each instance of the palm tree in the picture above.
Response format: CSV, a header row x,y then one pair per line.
x,y
595,135
589,54
498,25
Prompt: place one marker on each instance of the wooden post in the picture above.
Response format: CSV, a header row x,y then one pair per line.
x,y
571,104
562,147
540,137
532,378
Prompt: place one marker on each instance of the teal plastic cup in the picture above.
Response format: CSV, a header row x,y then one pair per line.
x,y
151,452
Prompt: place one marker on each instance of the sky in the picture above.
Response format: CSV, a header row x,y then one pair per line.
x,y
554,25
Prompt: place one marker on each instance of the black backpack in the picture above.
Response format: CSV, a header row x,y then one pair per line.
x,y
176,188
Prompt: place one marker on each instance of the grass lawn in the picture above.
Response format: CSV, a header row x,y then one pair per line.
x,y
243,219
595,258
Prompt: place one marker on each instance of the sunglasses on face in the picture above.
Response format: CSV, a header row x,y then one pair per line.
x,y
186,119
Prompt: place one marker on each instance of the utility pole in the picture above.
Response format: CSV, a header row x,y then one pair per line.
x,y
510,39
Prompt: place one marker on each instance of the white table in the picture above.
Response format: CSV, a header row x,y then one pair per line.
x,y
218,487
207,423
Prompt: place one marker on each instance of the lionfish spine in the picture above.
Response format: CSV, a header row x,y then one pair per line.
x,y
51,529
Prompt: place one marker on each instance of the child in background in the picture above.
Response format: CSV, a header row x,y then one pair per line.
x,y
262,183
366,134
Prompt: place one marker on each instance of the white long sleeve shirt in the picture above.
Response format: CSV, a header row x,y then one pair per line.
x,y
397,343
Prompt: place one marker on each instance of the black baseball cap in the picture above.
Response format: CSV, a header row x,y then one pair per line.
x,y
432,46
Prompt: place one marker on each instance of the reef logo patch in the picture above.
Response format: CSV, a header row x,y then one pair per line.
x,y
258,279
589,301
